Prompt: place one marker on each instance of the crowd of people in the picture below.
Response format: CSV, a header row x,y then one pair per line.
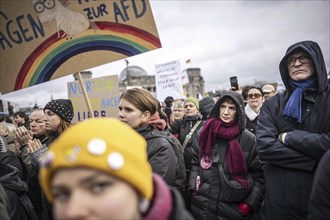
x,y
246,154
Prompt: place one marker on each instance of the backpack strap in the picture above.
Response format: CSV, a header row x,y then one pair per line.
x,y
188,136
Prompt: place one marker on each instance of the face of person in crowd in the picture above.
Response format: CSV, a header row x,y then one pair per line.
x,y
37,123
52,120
82,193
227,112
267,95
254,98
300,66
19,120
190,109
178,113
131,115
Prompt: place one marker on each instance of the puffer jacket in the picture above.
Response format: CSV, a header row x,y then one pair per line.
x,y
160,153
290,167
208,201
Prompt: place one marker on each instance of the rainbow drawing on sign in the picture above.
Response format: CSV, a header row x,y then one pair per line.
x,y
42,63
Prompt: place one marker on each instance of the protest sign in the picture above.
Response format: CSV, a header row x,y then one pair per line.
x,y
103,94
44,40
168,80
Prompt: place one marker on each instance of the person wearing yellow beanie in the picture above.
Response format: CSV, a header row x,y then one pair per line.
x,y
98,169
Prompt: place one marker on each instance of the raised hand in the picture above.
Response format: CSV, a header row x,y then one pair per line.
x,y
34,145
23,135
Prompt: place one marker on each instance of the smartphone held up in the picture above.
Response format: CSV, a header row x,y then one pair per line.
x,y
233,83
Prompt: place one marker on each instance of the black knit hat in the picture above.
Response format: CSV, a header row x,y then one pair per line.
x,y
205,105
61,107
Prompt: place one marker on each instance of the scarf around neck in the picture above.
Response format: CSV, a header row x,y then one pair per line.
x,y
216,128
250,113
293,107
156,122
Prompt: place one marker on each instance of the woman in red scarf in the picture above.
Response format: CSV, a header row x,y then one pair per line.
x,y
140,110
227,175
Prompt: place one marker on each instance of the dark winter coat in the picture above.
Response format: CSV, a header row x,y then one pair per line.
x,y
42,207
180,176
16,189
208,201
251,125
182,128
160,153
290,168
10,158
4,204
319,204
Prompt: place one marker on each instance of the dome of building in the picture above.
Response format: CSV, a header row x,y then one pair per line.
x,y
133,71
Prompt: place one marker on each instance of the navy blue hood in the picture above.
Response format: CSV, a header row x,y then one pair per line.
x,y
314,51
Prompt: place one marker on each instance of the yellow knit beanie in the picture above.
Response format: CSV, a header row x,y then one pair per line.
x,y
107,145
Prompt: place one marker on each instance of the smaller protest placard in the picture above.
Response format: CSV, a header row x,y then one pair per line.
x,y
103,94
168,80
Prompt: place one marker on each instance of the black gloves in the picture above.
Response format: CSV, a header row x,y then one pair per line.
x,y
168,101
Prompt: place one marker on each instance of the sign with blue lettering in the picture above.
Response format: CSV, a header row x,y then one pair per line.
x,y
103,94
42,40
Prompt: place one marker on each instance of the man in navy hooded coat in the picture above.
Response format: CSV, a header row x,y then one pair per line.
x,y
293,132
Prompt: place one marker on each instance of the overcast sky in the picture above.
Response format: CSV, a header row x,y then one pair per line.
x,y
246,39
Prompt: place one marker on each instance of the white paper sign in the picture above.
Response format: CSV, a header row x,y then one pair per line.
x,y
168,80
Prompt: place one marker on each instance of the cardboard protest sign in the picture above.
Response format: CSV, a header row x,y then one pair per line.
x,y
103,94
168,80
44,40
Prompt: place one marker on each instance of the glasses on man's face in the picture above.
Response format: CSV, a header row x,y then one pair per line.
x,y
302,59
254,95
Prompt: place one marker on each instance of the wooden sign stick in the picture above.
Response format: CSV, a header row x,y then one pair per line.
x,y
82,85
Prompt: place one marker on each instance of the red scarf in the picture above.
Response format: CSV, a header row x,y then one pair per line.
x,y
162,202
216,128
156,122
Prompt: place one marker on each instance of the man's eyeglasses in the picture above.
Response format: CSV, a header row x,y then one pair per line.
x,y
302,59
254,95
